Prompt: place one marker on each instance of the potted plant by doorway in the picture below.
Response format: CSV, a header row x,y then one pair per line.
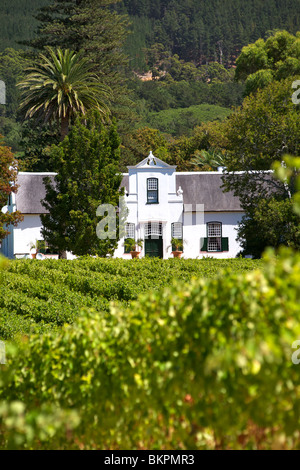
x,y
177,247
132,246
37,246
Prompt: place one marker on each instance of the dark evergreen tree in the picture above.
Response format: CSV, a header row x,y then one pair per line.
x,y
87,164
97,29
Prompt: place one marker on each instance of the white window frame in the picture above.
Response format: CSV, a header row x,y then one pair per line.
x,y
176,230
153,229
152,187
130,230
214,236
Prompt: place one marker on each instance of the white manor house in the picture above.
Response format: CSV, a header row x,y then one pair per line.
x,y
162,204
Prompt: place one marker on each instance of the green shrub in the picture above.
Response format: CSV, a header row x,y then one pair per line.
x,y
202,364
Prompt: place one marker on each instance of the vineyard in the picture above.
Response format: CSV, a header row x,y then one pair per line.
x,y
38,296
151,354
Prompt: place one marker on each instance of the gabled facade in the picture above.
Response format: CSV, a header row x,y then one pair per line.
x,y
162,204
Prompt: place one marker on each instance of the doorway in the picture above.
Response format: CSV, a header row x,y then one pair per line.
x,y
154,247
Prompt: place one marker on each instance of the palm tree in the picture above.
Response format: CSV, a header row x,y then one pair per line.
x,y
207,160
60,87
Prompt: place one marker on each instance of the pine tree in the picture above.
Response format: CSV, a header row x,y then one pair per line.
x,y
94,27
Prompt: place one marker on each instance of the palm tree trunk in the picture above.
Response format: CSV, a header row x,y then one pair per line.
x,y
64,127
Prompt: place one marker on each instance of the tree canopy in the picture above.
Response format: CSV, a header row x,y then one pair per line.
x,y
276,58
61,86
86,163
94,27
258,134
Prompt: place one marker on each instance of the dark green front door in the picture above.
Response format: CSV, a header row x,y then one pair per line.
x,y
154,247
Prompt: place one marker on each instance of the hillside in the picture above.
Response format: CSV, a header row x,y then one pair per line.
x,y
197,31
17,21
187,49
206,30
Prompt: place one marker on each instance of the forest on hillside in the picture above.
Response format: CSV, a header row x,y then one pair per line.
x,y
206,30
196,30
170,64
17,21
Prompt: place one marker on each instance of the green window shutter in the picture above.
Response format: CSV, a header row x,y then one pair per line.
x,y
225,244
203,244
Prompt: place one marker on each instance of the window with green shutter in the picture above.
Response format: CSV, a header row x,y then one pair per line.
x,y
203,244
214,242
214,236
225,244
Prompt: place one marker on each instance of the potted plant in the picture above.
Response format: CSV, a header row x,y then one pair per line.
x,y
37,246
177,247
132,246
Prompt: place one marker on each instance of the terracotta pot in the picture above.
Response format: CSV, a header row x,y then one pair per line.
x,y
33,255
135,254
177,254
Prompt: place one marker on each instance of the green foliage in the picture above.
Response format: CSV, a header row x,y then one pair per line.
x,y
269,222
200,365
37,296
18,22
12,66
177,244
272,112
3,262
204,148
288,172
86,163
95,28
183,120
277,58
209,30
269,219
163,94
8,185
130,244
209,160
60,87
138,143
36,142
38,245
258,80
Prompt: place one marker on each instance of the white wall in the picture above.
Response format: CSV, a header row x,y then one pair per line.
x,y
193,233
27,231
170,209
